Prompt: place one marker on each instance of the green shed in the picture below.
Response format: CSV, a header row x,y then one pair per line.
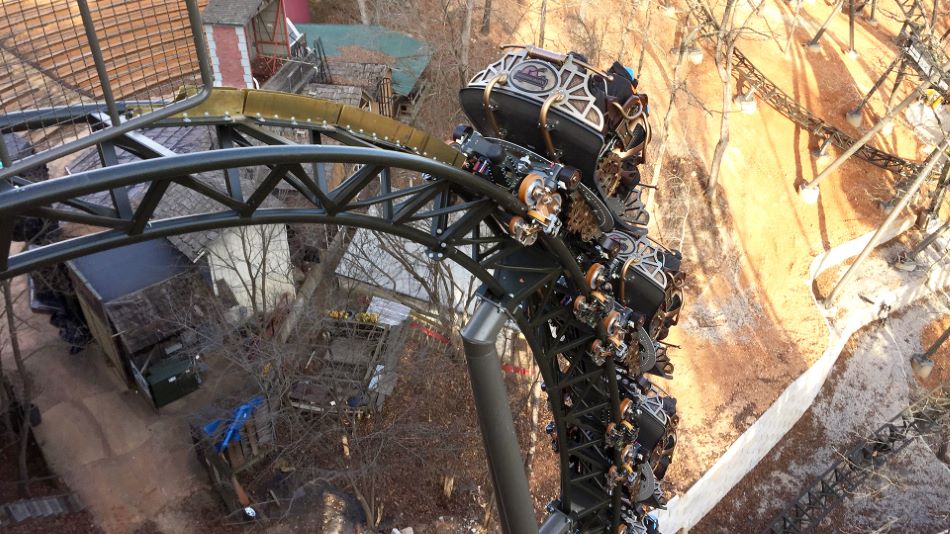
x,y
407,56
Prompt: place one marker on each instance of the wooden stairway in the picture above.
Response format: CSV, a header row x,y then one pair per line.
x,y
23,510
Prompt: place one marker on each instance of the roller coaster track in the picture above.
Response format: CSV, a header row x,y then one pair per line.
x,y
840,481
744,70
450,212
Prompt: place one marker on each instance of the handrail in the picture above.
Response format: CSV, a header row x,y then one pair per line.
x,y
501,78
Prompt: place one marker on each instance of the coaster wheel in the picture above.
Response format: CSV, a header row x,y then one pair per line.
x,y
594,273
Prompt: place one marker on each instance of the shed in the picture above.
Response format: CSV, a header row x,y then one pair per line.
x,y
234,255
130,287
407,56
135,298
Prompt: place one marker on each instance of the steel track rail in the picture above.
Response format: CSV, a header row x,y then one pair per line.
x,y
450,213
744,70
805,513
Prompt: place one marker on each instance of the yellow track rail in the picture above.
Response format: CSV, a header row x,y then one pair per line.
x,y
298,111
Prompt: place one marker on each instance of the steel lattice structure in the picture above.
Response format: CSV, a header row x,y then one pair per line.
x,y
558,241
746,72
454,213
930,414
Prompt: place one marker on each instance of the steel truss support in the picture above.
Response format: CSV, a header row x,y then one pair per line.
x,y
805,513
924,173
451,212
854,116
933,210
743,69
813,44
927,241
871,19
860,143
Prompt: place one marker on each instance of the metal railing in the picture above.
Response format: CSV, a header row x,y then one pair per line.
x,y
323,70
292,75
99,55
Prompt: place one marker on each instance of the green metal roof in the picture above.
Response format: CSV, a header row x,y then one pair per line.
x,y
407,56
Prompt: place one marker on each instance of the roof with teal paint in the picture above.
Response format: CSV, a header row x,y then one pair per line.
x,y
407,56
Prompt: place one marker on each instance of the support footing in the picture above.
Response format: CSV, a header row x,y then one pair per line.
x,y
747,104
809,194
854,117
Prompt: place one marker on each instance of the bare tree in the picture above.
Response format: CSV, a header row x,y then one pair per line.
x,y
727,36
253,263
347,443
26,397
364,13
687,38
541,22
645,40
438,290
725,49
486,18
466,40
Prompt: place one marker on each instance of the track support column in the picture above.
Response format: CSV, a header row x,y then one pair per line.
x,y
515,505
922,176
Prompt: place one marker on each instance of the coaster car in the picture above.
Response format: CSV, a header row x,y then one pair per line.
x,y
560,106
548,102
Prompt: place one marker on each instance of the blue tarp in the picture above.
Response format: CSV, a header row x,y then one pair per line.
x,y
233,431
